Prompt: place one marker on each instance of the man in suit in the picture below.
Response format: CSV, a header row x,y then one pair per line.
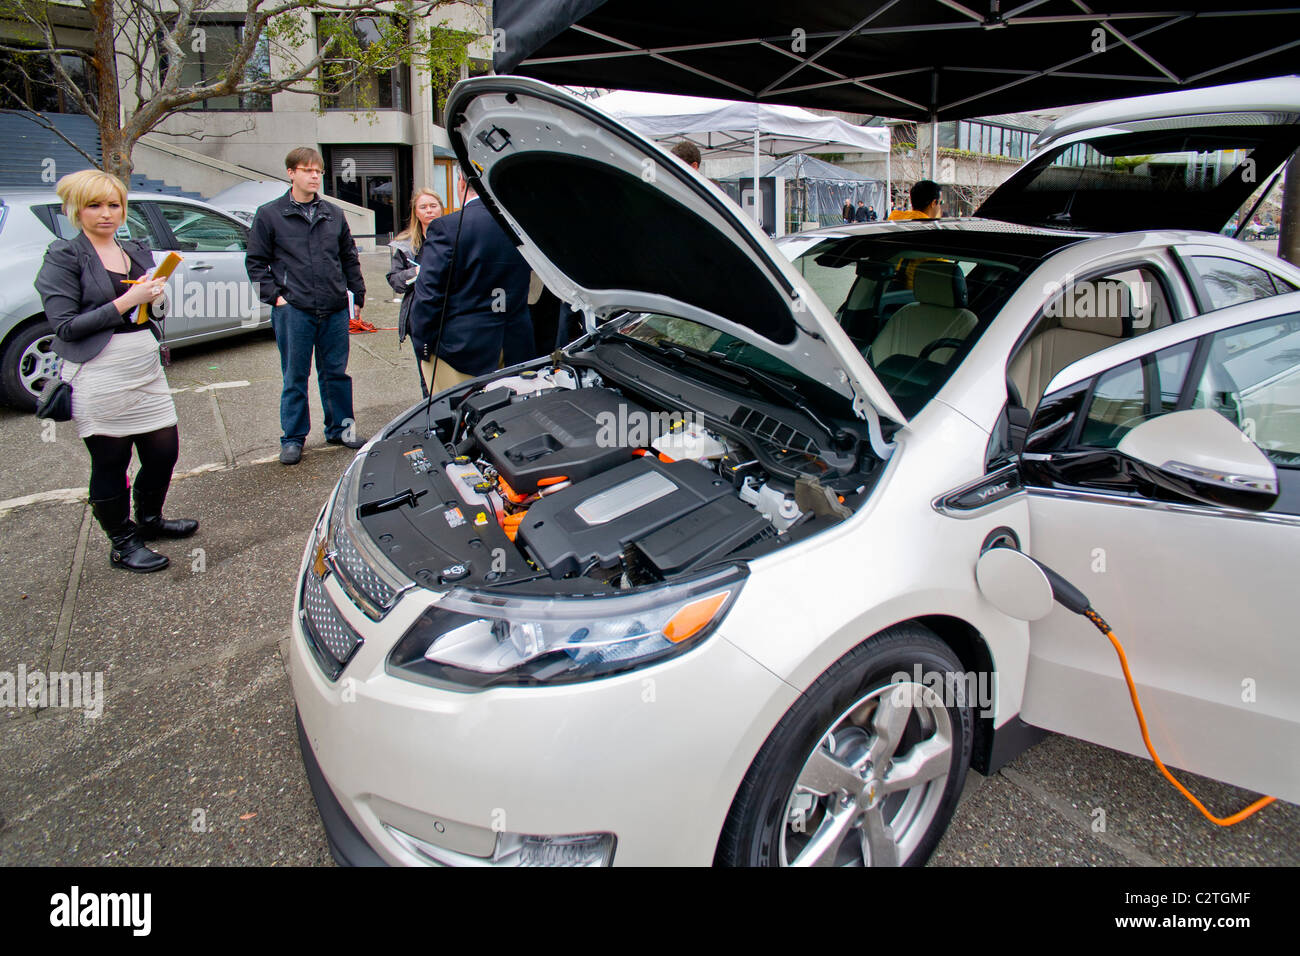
x,y
470,269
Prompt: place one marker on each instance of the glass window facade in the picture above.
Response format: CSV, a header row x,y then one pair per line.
x,y
386,90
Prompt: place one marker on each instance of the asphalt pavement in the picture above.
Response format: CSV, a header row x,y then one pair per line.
x,y
194,759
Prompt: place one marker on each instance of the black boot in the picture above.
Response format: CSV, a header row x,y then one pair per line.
x,y
128,552
148,516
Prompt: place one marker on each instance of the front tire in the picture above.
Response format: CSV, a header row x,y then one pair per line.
x,y
28,362
866,768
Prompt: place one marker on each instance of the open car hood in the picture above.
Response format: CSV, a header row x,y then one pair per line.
x,y
611,222
1184,160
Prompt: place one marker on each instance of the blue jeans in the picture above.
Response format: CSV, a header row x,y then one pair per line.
x,y
297,333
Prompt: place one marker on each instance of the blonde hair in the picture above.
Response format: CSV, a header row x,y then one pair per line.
x,y
414,230
78,190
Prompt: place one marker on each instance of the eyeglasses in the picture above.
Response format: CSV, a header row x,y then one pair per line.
x,y
310,172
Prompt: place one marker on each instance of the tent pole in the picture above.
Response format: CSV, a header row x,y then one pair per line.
x,y
758,216
934,149
889,180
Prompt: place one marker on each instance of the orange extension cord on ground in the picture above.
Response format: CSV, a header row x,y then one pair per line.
x,y
1259,804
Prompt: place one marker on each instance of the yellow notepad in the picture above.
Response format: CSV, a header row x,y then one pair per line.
x,y
164,270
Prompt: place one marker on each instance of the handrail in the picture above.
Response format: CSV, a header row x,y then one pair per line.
x,y
199,158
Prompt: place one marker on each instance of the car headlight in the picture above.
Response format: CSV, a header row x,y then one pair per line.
x,y
478,640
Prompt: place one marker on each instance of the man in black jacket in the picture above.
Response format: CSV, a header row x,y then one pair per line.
x,y
301,255
484,294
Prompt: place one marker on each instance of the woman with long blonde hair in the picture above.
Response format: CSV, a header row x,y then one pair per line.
x,y
426,206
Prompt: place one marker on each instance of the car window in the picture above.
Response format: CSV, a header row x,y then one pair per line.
x,y
1227,281
199,230
1128,395
1252,378
914,303
136,225
1084,316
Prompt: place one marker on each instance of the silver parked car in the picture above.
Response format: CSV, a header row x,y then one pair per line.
x,y
209,295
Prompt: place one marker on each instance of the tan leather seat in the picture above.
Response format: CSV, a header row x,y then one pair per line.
x,y
939,312
1093,316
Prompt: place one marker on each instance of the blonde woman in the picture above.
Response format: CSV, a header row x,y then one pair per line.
x,y
426,206
91,287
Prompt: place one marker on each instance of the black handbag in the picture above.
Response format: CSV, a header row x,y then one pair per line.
x,y
55,402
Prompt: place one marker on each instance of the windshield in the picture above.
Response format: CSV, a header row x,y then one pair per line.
x,y
914,302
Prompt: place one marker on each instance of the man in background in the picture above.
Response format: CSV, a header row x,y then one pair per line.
x,y
469,314
925,202
304,262
688,153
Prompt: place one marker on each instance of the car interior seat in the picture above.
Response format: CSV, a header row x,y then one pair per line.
x,y
1093,316
859,316
939,312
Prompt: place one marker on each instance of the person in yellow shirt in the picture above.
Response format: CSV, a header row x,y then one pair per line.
x,y
925,202
925,205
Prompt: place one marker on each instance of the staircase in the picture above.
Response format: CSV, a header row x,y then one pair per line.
x,y
36,158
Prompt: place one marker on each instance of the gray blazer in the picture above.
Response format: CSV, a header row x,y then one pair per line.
x,y
78,295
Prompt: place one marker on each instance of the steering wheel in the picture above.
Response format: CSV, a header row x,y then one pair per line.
x,y
941,344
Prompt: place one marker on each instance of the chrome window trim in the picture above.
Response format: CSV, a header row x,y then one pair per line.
x,y
1174,507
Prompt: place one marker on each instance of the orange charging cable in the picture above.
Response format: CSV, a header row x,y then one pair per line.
x,y
1259,804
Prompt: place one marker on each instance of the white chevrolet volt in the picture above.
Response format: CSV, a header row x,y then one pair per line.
x,y
753,572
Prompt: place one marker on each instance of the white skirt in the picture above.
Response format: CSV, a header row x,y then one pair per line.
x,y
122,390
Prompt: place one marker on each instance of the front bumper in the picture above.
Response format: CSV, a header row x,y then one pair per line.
x,y
653,756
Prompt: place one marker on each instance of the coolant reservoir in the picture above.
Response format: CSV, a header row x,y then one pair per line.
x,y
527,383
690,442
464,477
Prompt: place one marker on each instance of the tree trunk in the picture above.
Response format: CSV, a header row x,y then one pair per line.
x,y
116,151
1288,240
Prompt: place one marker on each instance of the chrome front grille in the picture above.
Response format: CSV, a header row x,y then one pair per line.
x,y
332,639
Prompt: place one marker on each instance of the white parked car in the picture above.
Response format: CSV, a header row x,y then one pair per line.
x,y
737,580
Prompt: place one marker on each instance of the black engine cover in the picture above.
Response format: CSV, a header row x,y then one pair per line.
x,y
593,522
574,433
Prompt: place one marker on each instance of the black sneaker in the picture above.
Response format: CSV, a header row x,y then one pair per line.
x,y
290,453
345,442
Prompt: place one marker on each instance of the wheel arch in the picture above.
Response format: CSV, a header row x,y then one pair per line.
x,y
19,326
20,400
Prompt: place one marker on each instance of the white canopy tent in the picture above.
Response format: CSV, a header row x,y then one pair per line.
x,y
728,128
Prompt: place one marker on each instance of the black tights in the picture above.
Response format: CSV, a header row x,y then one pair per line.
x,y
109,458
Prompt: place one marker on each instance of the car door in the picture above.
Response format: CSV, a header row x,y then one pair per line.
x,y
1203,597
212,291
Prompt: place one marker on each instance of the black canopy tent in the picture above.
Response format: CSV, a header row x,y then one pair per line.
x,y
910,59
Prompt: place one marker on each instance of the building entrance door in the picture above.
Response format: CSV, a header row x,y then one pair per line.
x,y
369,176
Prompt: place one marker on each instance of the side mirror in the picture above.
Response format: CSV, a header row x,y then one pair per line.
x,y
1200,455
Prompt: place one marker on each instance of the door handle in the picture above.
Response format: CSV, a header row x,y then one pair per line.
x,y
200,267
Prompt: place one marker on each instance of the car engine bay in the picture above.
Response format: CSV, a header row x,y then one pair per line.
x,y
609,470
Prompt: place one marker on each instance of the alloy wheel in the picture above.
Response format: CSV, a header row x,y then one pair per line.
x,y
873,784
